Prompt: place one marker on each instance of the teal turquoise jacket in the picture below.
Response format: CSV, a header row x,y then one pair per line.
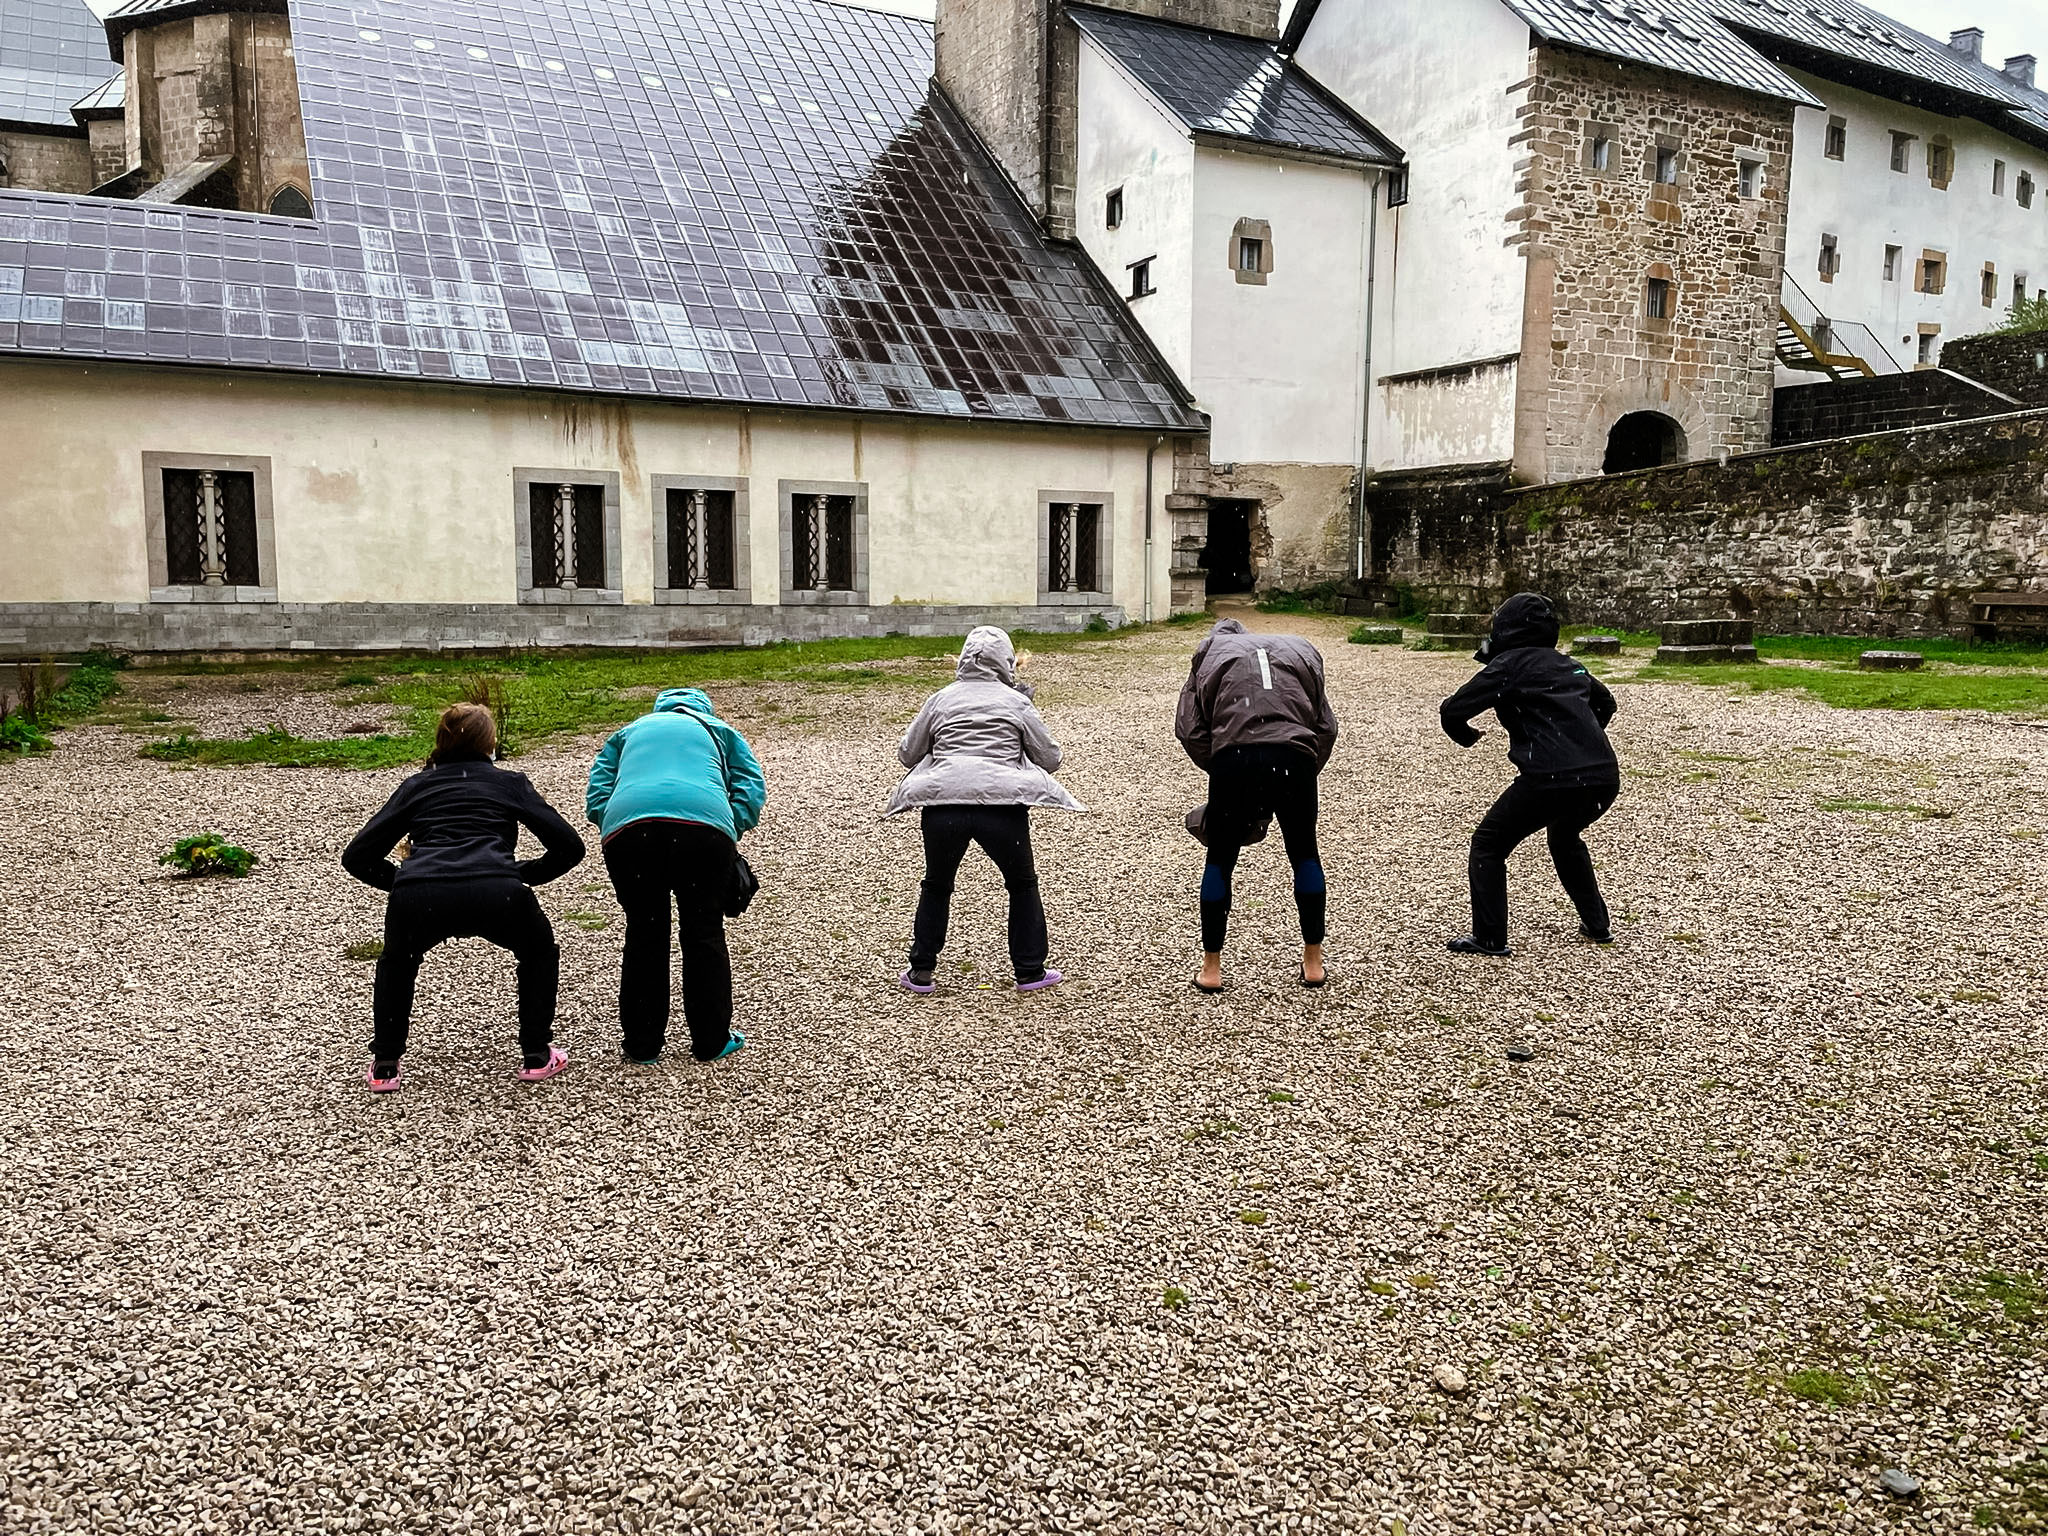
x,y
679,762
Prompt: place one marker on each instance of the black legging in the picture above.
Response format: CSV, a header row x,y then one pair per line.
x,y
502,910
652,863
1522,809
1004,832
1245,784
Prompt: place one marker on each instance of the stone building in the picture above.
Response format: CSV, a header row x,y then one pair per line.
x,y
691,324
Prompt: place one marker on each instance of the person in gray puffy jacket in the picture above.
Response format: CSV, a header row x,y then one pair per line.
x,y
979,758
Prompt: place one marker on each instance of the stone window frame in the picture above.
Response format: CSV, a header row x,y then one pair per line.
x,y
1835,141
1939,261
742,590
1928,354
154,463
1987,287
523,481
786,492
1941,162
1749,175
1660,272
1902,150
1251,229
287,185
1597,135
1661,145
1105,545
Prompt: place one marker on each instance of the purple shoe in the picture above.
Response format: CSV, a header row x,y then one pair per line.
x,y
1045,979
919,982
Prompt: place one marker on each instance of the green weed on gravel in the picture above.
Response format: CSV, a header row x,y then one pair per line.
x,y
2008,691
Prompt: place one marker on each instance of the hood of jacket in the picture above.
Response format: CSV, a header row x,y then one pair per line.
x,y
676,700
1526,621
986,653
1226,627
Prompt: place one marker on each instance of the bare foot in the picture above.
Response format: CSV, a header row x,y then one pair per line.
x,y
1210,977
1312,964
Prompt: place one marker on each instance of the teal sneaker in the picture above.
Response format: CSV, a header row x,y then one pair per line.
x,y
731,1045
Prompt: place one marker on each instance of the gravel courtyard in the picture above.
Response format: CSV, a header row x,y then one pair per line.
x,y
1766,1214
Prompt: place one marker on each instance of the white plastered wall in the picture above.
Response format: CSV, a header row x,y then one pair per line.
x,y
1128,140
1867,205
1435,76
1277,365
402,493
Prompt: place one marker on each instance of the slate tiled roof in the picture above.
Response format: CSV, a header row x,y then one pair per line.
x,y
51,53
1854,32
750,201
105,100
1234,87
1679,35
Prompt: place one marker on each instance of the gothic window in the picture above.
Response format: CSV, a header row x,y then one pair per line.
x,y
1074,541
1837,145
568,536
700,540
290,203
208,529
824,527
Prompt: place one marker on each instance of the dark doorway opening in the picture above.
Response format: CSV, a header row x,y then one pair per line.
x,y
1643,440
1227,557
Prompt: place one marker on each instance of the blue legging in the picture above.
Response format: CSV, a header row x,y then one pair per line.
x,y
1247,784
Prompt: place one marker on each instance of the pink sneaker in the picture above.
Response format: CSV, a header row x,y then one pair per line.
x,y
557,1062
382,1084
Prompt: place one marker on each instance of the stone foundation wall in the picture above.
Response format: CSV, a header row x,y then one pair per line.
x,y
1302,535
1879,535
2016,365
33,629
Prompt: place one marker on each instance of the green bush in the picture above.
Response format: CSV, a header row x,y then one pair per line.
x,y
18,733
208,853
1376,634
2025,316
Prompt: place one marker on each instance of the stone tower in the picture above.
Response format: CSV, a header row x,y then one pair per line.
x,y
1010,65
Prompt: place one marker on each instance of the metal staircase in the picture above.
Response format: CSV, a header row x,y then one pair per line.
x,y
1809,342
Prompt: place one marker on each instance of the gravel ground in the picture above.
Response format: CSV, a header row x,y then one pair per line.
x,y
1116,1256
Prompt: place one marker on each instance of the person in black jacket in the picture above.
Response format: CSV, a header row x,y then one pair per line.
x,y
463,814
1555,713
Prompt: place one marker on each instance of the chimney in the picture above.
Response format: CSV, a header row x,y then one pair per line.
x,y
1969,43
2020,68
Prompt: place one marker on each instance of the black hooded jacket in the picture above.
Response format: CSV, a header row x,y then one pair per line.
x,y
1554,711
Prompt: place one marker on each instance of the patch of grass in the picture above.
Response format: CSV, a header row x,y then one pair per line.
x,y
589,922
1252,1218
1279,1096
547,694
1174,1299
2013,691
367,949
1814,1385
1887,808
2018,1295
1209,1130
44,707
2026,1507
208,853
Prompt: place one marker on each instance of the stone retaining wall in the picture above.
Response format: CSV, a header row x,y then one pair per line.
x,y
258,628
2016,365
1879,535
1811,413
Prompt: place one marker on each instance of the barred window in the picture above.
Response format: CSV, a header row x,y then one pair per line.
x,y
1074,540
568,535
824,526
210,528
701,546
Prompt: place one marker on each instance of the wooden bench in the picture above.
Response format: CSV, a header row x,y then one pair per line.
x,y
2008,615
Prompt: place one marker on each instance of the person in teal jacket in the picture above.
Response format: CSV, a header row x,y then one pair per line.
x,y
672,793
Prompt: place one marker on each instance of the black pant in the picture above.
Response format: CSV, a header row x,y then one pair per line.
x,y
1522,809
1004,832
422,913
651,862
1247,784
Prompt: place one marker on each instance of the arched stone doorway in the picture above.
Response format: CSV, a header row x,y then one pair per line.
x,y
1643,440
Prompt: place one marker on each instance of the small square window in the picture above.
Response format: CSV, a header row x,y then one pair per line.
x,y
1113,209
1998,178
1665,168
1749,178
2023,190
1902,151
1891,263
1141,278
1657,298
1830,258
1397,187
1251,254
1837,146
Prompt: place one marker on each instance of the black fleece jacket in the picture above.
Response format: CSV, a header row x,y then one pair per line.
x,y
464,818
1554,711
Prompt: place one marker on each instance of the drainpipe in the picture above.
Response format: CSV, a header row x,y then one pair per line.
x,y
1149,452
1373,179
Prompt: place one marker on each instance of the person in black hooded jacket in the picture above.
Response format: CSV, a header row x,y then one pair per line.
x,y
1555,713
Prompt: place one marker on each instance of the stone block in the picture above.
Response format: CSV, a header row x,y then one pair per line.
x,y
1891,661
1693,655
1683,632
1597,645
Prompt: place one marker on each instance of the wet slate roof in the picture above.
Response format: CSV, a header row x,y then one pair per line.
x,y
752,201
1679,35
51,53
1234,87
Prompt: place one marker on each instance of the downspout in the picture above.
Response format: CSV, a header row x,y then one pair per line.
x,y
1149,452
1373,179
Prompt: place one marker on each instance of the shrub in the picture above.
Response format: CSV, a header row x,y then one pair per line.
x,y
1376,634
19,733
2025,316
208,853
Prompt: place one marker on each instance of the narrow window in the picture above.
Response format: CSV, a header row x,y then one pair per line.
x,y
2019,290
1141,278
1837,146
1251,254
701,546
1749,177
1113,209
1601,155
1933,273
566,522
1902,150
1830,258
823,547
1397,187
1657,298
1666,168
1990,285
1998,178
1925,356
1940,163
1891,263
2023,190
1073,546
210,528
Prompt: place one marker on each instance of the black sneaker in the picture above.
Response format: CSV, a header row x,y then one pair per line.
x,y
1465,944
1595,938
920,982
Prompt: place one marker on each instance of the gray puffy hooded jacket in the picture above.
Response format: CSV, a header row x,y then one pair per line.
x,y
979,741
1251,690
